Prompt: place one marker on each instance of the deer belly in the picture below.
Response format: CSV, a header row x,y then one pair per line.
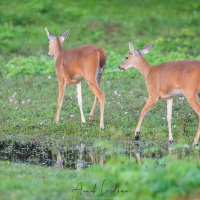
x,y
77,78
172,93
176,92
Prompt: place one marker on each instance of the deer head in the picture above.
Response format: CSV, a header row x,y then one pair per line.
x,y
134,56
55,42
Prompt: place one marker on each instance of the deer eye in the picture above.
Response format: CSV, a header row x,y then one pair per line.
x,y
126,57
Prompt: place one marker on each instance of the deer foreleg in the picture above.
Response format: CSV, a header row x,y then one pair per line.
x,y
100,95
169,117
92,110
95,99
60,100
150,102
79,93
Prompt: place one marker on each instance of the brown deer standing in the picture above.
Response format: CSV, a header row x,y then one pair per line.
x,y
165,81
75,64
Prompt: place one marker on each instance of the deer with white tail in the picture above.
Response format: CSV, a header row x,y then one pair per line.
x,y
166,81
72,65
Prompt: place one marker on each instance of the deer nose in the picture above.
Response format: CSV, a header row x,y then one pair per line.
x,y
121,68
49,55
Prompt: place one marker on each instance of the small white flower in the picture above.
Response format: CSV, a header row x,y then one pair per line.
x,y
71,115
181,98
125,113
23,102
163,118
11,100
49,77
28,100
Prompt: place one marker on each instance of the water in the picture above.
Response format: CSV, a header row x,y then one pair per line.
x,y
78,153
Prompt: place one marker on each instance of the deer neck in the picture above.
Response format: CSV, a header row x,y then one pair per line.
x,y
143,66
57,49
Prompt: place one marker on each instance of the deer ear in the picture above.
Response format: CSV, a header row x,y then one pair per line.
x,y
131,48
146,49
49,34
64,35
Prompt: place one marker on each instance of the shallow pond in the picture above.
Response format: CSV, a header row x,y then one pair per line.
x,y
78,153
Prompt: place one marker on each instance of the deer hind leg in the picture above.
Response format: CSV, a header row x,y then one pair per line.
x,y
169,118
194,103
100,96
60,100
93,109
79,92
150,102
95,99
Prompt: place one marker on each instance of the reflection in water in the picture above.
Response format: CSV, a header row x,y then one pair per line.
x,y
79,154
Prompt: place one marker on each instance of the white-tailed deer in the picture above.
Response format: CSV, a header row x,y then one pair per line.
x,y
165,81
72,65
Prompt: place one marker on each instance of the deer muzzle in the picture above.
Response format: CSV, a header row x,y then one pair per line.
x,y
121,68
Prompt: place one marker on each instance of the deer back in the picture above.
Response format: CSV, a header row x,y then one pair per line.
x,y
75,63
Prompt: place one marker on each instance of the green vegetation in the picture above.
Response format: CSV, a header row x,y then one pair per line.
x,y
171,179
28,92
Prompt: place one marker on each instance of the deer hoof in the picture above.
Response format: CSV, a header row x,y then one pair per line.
x,y
137,135
171,141
90,118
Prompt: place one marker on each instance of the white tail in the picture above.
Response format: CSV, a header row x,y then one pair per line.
x,y
72,65
165,81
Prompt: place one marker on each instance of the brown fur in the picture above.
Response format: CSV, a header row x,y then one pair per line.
x,y
72,65
165,81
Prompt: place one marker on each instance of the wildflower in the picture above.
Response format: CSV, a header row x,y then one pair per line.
x,y
181,98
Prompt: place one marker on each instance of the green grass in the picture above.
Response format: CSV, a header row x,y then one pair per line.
x,y
29,89
170,179
29,105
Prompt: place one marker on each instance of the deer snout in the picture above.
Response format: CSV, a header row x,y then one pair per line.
x,y
50,56
121,68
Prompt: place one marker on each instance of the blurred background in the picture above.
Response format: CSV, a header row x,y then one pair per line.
x,y
170,25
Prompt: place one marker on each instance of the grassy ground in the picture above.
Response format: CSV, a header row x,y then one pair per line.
x,y
29,105
28,88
